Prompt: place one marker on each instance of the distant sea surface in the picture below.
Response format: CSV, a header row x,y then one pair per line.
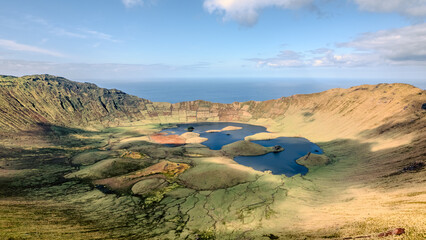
x,y
232,90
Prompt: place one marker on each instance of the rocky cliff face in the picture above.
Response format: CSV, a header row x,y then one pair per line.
x,y
30,100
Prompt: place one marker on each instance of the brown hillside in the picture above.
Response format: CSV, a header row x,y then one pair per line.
x,y
29,100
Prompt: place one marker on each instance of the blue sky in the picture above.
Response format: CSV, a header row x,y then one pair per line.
x,y
146,39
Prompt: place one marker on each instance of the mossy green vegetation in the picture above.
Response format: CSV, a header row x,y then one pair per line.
x,y
215,198
44,220
107,168
67,175
215,173
185,196
90,157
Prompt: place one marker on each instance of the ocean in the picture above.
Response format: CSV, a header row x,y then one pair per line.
x,y
232,90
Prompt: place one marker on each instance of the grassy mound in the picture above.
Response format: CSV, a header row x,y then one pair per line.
x,y
162,169
147,185
131,144
313,160
89,158
245,148
107,168
215,173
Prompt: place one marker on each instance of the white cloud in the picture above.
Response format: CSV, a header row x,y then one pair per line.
x,y
405,45
401,46
246,12
132,3
333,59
412,8
316,58
14,46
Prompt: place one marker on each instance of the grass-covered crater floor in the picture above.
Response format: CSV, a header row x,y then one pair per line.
x,y
192,192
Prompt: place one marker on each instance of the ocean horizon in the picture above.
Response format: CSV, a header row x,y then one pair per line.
x,y
233,90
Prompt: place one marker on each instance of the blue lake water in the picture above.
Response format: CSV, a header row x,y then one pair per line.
x,y
282,162
279,163
218,139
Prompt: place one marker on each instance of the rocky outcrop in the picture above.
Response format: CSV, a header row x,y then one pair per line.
x,y
44,99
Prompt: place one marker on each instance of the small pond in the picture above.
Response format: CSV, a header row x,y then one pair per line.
x,y
279,163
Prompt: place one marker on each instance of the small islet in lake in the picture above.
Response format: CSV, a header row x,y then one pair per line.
x,y
283,162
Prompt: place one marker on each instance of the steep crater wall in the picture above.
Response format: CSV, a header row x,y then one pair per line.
x,y
367,110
